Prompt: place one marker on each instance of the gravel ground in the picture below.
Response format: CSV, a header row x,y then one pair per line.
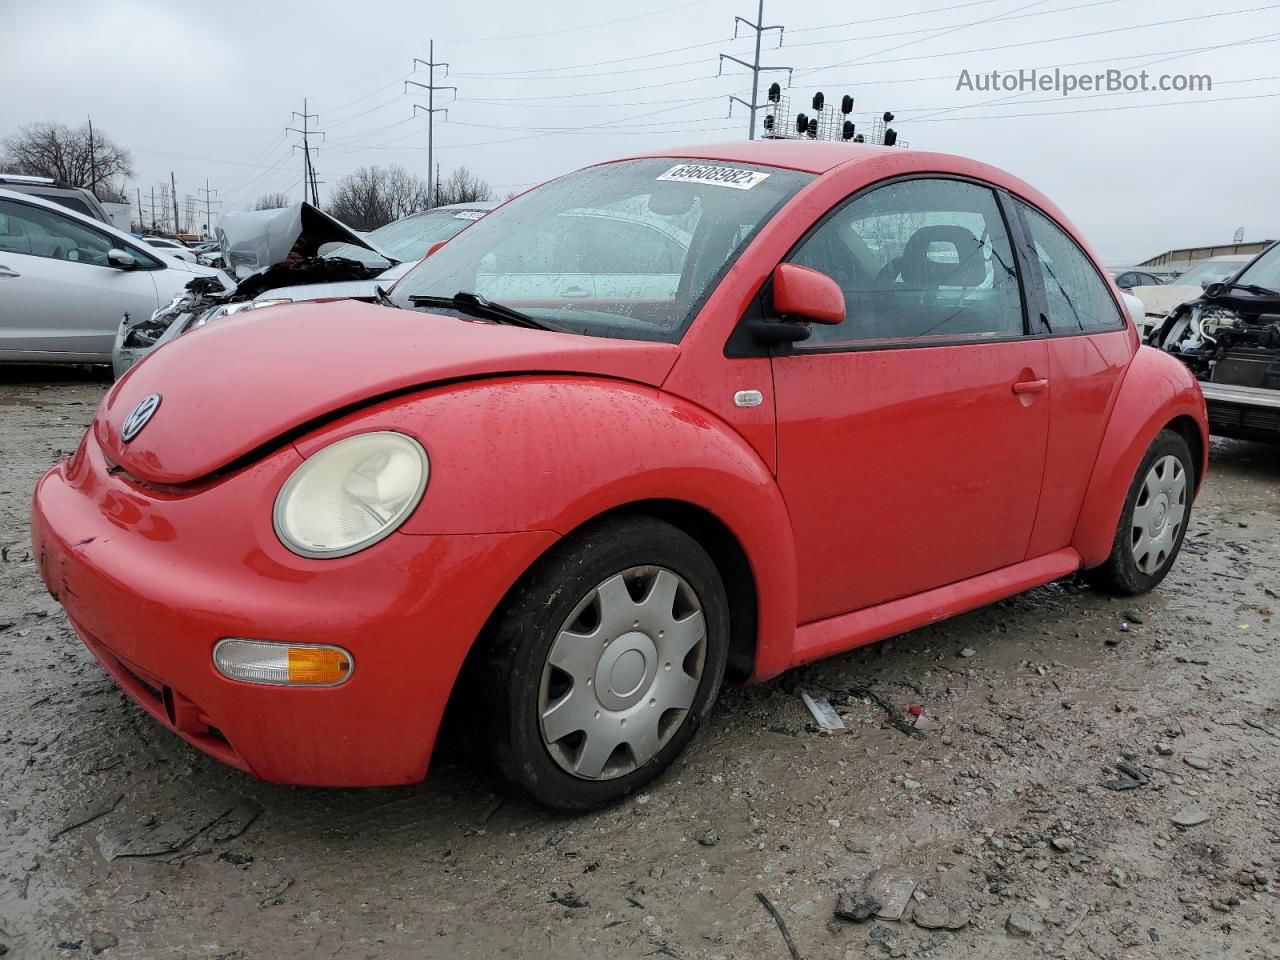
x,y
995,835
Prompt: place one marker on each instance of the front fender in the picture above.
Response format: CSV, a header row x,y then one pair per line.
x,y
1157,389
550,452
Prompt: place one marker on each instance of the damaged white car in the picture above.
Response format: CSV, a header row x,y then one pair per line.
x,y
1230,338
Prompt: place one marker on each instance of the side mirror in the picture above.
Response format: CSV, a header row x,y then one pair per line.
x,y
434,247
121,259
802,293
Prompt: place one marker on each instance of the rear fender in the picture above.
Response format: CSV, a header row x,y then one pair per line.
x,y
1157,389
551,452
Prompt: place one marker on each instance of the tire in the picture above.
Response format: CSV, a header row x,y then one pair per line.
x,y
1136,566
636,586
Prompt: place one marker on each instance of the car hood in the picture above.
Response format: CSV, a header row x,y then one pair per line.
x,y
240,383
251,240
1161,300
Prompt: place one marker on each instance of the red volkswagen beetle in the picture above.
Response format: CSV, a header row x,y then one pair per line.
x,y
657,425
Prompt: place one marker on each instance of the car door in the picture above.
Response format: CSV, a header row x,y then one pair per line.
x,y
1090,347
911,437
59,295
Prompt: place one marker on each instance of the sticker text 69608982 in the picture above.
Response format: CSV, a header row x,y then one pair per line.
x,y
735,177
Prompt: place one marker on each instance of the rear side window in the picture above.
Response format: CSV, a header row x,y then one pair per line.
x,y
1078,299
919,261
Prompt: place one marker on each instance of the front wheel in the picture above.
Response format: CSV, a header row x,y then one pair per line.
x,y
604,663
1153,522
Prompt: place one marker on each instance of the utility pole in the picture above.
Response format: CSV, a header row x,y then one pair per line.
x,y
208,205
142,224
93,162
153,208
755,68
173,192
430,109
308,169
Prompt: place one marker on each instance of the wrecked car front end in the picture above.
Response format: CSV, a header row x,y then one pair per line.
x,y
1230,339
264,250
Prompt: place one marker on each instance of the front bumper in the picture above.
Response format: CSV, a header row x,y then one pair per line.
x,y
152,579
1251,413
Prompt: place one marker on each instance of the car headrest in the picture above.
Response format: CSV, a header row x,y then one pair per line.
x,y
961,266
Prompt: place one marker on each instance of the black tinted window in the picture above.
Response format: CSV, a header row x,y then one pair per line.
x,y
919,260
1077,296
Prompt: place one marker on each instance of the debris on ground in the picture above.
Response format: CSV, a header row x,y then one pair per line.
x,y
895,717
892,891
824,714
1133,777
1191,816
782,925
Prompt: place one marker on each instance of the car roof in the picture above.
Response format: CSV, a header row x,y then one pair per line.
x,y
27,179
34,200
808,156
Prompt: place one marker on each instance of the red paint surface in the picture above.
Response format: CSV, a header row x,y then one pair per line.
x,y
871,492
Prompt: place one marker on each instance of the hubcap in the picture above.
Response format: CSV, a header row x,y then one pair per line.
x,y
622,673
1159,514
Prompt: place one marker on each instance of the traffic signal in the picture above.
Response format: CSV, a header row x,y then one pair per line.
x,y
818,100
775,93
890,137
846,132
846,104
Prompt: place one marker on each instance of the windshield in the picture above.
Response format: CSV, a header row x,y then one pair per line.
x,y
1208,270
627,249
1265,271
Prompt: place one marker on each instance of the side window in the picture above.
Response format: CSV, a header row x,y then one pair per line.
x,y
1077,296
918,260
1127,280
43,233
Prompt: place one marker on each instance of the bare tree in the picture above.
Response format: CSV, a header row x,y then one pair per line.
x,y
374,196
461,186
55,150
271,201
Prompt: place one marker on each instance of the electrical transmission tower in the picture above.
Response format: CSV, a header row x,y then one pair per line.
x,y
209,204
309,181
430,109
755,68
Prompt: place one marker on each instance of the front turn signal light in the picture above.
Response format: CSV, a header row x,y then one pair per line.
x,y
282,664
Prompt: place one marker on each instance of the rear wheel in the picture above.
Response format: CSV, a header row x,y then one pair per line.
x,y
604,663
1153,522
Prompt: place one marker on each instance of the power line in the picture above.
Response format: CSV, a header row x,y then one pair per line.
x,y
584,26
1128,106
1177,55
1025,43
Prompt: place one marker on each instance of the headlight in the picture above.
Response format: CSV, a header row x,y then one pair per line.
x,y
351,494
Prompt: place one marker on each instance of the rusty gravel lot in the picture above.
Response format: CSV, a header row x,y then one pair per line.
x,y
118,840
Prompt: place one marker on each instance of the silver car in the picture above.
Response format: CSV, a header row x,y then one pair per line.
x,y
65,279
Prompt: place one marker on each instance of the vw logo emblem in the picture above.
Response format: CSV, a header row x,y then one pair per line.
x,y
136,420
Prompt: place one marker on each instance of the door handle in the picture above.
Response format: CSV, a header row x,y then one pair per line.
x,y
6,273
1030,386
575,291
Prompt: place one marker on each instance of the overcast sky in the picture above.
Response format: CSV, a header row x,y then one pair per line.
x,y
206,90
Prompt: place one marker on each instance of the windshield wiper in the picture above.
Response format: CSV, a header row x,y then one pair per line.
x,y
1253,288
380,296
478,306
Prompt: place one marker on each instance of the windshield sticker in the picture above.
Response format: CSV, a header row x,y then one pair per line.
x,y
735,177
469,214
